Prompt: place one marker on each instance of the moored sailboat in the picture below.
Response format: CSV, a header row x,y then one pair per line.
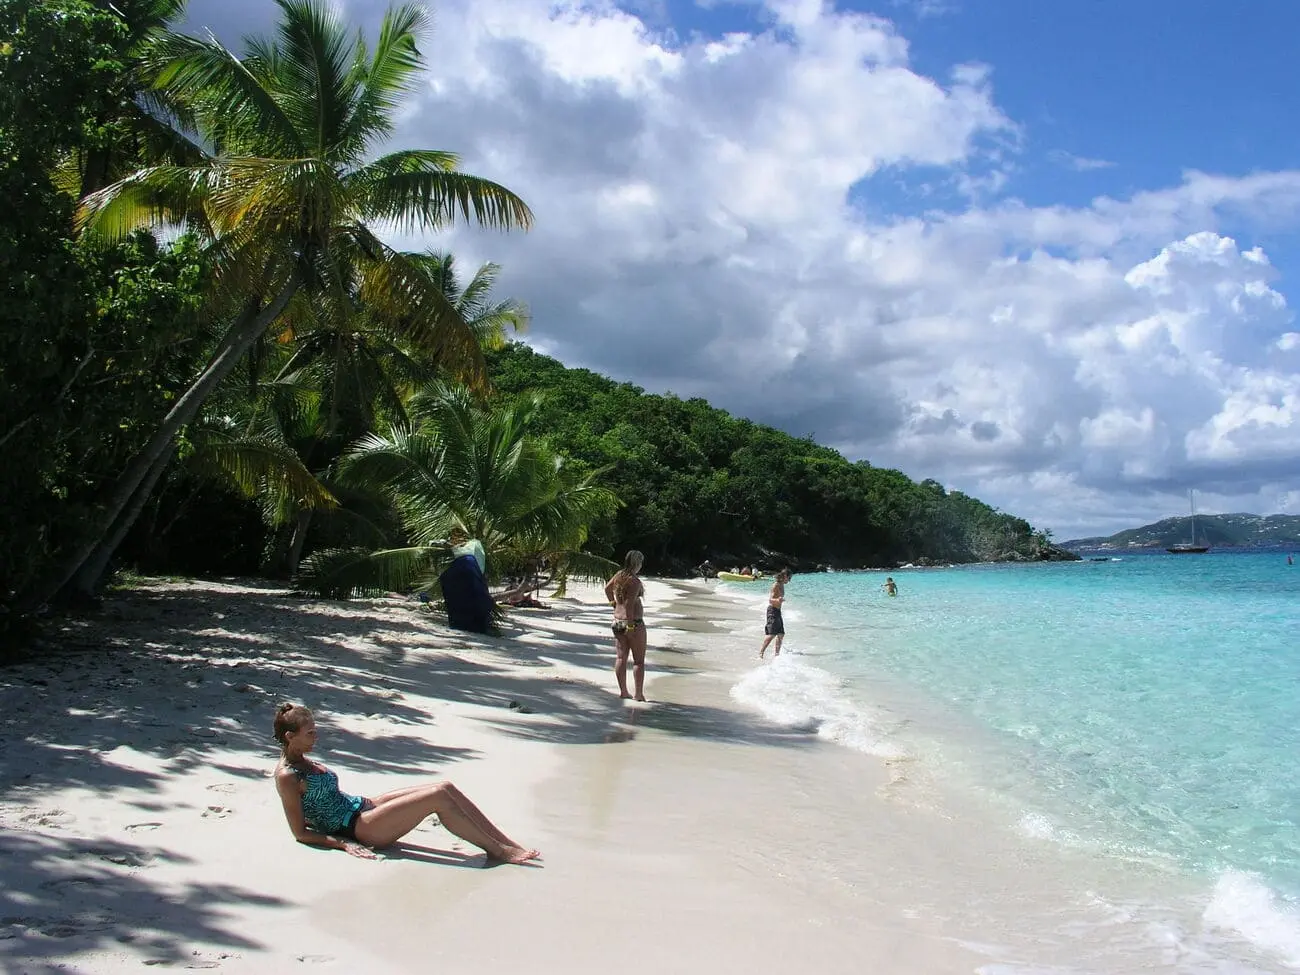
x,y
1189,548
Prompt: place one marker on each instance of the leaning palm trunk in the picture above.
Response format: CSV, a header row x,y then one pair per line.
x,y
300,528
87,578
95,549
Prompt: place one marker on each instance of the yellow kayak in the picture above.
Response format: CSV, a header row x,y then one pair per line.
x,y
736,577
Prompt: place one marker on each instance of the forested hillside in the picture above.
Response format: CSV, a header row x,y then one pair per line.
x,y
698,483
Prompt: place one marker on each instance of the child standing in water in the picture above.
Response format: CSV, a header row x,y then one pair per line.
x,y
891,589
774,625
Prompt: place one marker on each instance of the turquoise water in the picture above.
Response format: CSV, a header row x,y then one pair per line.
x,y
1144,707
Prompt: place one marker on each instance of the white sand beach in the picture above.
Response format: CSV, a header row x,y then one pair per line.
x,y
139,825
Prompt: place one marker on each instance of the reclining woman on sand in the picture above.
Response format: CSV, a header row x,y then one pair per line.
x,y
320,815
521,596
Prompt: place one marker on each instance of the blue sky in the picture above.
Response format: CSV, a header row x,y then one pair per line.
x,y
1113,96
1154,87
1044,252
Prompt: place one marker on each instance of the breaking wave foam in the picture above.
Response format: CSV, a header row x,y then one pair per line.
x,y
797,695
1244,904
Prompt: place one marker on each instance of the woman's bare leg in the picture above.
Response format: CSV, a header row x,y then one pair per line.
x,y
622,646
638,640
385,824
397,794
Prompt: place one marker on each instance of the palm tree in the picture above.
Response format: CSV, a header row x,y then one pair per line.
x,y
490,320
360,371
286,196
477,468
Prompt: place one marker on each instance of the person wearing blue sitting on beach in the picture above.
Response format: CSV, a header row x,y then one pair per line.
x,y
320,814
890,587
774,624
625,592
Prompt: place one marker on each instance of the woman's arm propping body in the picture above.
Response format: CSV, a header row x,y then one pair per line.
x,y
291,788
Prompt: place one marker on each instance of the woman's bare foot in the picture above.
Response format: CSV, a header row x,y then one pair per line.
x,y
625,696
641,698
513,854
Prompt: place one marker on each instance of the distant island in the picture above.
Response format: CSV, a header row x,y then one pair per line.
x,y
1218,531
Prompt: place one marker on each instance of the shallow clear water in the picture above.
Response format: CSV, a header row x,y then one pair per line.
x,y
1146,708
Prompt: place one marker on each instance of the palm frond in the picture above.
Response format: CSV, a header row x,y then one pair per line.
x,y
314,84
393,71
343,573
489,321
149,197
239,111
161,139
363,516
475,294
492,325
259,465
584,565
402,296
295,198
420,189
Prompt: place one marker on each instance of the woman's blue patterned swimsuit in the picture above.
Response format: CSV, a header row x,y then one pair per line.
x,y
324,807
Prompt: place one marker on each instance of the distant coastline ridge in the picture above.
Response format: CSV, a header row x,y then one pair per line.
x,y
1227,531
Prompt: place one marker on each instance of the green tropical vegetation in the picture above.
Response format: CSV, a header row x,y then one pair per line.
x,y
696,483
214,363
480,469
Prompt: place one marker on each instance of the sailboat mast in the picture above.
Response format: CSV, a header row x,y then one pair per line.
x,y
1191,500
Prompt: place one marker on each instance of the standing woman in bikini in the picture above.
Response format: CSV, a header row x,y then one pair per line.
x,y
624,593
319,814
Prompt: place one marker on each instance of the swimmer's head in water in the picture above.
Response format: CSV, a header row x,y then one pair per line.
x,y
291,720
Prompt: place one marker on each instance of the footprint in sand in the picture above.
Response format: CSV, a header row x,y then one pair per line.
x,y
60,930
316,959
72,883
142,827
124,858
61,927
53,818
217,812
182,963
225,788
